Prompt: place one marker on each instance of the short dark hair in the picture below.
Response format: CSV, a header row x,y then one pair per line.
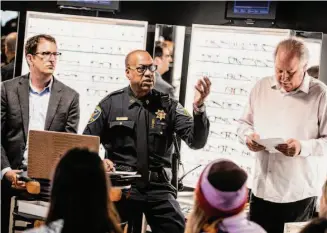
x,y
80,196
318,225
32,42
227,176
158,51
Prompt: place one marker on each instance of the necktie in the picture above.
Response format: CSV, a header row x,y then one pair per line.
x,y
142,147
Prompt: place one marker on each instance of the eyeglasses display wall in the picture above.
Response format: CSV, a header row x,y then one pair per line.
x,y
234,58
91,53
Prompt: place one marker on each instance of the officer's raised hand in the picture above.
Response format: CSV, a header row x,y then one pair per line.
x,y
202,90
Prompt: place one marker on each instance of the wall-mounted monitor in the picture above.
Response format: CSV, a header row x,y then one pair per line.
x,y
251,10
103,5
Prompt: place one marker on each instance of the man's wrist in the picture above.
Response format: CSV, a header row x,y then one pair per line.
x,y
199,108
4,171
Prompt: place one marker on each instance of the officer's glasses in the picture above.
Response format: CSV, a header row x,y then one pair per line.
x,y
142,68
47,55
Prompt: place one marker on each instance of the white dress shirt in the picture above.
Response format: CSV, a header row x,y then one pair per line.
x,y
38,107
301,115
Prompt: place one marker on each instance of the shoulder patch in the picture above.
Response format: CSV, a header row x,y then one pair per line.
x,y
95,115
181,110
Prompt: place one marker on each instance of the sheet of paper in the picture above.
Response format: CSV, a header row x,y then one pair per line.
x,y
294,227
270,143
122,173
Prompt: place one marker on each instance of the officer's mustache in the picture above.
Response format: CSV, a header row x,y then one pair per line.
x,y
148,78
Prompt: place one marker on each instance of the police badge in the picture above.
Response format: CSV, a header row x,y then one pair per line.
x,y
160,114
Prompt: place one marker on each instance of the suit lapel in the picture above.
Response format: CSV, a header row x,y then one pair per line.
x,y
55,97
23,95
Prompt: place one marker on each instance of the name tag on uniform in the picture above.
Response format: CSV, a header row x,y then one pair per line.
x,y
121,118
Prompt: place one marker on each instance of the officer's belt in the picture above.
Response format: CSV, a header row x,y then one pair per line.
x,y
155,175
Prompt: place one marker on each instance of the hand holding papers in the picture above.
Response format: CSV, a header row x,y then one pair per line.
x,y
270,144
252,144
291,147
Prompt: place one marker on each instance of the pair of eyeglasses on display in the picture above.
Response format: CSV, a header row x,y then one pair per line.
x,y
69,62
107,79
104,64
224,105
143,68
221,149
68,76
101,64
246,153
94,92
108,50
223,120
68,46
224,135
236,91
48,54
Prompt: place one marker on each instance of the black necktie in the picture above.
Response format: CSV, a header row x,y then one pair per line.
x,y
142,147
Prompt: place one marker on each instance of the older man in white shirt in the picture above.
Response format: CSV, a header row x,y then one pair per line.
x,y
293,106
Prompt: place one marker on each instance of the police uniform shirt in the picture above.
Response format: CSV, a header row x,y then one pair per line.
x,y
115,121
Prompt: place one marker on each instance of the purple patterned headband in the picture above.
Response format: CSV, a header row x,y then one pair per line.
x,y
225,201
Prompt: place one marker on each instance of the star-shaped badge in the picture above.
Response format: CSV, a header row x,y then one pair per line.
x,y
160,114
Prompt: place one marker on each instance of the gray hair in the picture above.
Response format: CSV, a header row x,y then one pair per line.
x,y
295,47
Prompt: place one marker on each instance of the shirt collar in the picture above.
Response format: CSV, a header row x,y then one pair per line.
x,y
134,100
304,87
45,90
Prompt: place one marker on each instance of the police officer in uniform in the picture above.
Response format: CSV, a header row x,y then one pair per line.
x,y
136,125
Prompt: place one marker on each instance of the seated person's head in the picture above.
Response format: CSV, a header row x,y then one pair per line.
x,y
323,202
221,192
80,195
318,225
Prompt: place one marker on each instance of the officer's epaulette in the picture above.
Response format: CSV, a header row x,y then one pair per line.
x,y
116,92
112,94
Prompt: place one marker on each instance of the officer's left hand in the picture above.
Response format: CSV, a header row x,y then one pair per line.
x,y
291,148
108,165
202,90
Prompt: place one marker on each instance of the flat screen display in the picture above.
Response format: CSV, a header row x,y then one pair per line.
x,y
100,5
251,10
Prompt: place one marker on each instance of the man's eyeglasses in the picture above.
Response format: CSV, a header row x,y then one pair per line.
x,y
142,68
48,54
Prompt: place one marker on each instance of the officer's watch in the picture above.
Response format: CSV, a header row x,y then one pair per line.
x,y
199,109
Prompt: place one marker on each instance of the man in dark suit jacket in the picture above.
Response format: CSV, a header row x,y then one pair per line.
x,y
162,58
33,101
